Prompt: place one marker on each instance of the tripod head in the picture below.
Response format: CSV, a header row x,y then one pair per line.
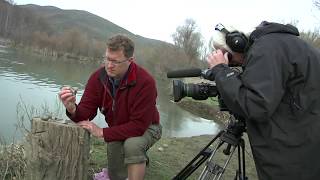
x,y
233,133
234,130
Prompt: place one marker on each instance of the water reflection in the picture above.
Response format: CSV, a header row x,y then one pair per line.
x,y
180,123
36,80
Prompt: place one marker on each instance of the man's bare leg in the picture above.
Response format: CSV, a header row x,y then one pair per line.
x,y
136,171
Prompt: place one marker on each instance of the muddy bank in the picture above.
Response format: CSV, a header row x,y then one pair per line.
x,y
206,111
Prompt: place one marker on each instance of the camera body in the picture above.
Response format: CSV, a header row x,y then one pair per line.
x,y
199,91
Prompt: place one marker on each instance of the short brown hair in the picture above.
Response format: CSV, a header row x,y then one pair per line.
x,y
121,42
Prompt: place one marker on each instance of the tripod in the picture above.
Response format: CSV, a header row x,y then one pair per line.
x,y
232,138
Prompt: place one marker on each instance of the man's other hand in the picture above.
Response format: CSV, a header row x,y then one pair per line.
x,y
92,128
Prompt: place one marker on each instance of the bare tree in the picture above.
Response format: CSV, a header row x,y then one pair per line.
x,y
189,39
5,14
311,37
316,3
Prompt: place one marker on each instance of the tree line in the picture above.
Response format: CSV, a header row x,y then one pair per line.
x,y
188,38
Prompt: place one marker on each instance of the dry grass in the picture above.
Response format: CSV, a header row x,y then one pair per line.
x,y
12,155
12,161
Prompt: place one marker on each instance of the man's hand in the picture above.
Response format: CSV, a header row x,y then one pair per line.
x,y
68,98
92,128
217,57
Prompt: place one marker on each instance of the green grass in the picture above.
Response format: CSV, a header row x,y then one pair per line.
x,y
177,152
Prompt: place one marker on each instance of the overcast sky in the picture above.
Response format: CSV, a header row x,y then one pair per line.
x,y
159,19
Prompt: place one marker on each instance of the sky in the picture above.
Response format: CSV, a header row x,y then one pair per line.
x,y
159,19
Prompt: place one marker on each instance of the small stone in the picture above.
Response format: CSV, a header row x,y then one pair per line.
x,y
46,117
165,145
160,149
74,90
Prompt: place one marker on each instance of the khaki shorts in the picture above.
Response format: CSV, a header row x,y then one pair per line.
x,y
131,151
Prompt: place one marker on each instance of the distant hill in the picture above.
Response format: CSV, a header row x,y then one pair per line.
x,y
60,20
80,35
94,26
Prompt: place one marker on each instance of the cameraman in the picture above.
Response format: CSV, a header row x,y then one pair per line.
x,y
278,93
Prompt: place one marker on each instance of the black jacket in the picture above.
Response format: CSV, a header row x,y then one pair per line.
x,y
278,94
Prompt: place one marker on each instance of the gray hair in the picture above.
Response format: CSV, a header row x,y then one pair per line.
x,y
218,40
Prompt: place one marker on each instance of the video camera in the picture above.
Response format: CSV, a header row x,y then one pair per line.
x,y
231,136
199,91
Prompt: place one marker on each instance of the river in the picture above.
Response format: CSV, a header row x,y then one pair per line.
x,y
33,81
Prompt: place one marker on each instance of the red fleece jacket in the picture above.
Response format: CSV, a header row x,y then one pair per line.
x,y
132,109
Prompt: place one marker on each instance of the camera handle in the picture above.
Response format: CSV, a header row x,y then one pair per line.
x,y
232,136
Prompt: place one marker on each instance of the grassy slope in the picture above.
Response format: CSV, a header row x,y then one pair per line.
x,y
167,163
149,52
60,20
92,25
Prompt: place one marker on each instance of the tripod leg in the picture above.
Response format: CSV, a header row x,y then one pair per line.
x,y
211,166
213,171
241,172
200,158
242,145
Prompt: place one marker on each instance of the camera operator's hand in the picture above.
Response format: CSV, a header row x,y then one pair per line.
x,y
68,98
217,57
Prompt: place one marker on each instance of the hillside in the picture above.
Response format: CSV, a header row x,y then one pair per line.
x,y
59,20
157,56
80,35
94,26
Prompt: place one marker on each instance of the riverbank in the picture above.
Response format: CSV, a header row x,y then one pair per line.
x,y
4,42
61,56
208,109
167,158
46,52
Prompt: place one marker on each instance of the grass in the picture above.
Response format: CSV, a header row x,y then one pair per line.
x,y
176,153
167,158
12,161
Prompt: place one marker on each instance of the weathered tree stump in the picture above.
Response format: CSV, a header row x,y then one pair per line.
x,y
57,151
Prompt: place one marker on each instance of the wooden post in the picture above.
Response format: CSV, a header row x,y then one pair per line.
x,y
57,150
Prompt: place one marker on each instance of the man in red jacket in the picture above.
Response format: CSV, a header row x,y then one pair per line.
x,y
125,94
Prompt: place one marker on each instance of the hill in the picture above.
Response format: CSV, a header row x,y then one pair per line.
x,y
60,20
80,35
94,26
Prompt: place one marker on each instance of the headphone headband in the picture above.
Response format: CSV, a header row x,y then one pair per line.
x,y
236,40
220,27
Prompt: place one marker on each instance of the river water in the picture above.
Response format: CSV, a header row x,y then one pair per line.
x,y
30,83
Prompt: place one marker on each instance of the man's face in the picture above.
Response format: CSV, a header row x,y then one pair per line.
x,y
116,64
237,58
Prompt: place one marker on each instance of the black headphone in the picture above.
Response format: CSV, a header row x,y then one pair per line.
x,y
236,40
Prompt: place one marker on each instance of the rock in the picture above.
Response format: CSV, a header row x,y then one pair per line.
x,y
46,117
